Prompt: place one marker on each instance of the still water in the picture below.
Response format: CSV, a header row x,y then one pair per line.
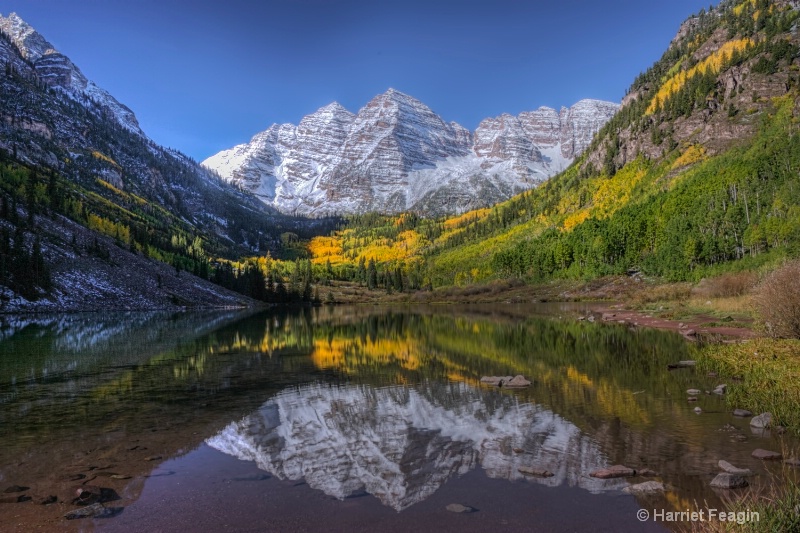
x,y
356,418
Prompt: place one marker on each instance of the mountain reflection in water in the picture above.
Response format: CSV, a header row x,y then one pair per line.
x,y
400,444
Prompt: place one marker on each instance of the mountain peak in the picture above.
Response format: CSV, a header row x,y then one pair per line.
x,y
57,70
396,96
334,108
396,154
31,43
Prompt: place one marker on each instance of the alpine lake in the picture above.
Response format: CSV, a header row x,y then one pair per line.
x,y
360,418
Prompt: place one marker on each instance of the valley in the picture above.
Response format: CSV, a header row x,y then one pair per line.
x,y
387,257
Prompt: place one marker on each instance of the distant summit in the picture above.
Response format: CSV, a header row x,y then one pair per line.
x,y
57,70
396,154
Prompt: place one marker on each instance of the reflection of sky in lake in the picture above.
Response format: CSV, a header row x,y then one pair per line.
x,y
401,444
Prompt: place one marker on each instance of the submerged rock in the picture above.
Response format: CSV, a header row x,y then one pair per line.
x,y
766,455
728,481
648,487
535,472
742,412
458,508
613,472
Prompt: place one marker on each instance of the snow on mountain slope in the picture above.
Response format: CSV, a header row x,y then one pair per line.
x,y
57,70
401,444
396,154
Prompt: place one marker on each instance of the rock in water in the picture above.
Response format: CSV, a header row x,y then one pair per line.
x,y
648,487
517,381
766,455
728,481
764,420
613,472
535,472
495,380
729,468
742,412
505,381
458,508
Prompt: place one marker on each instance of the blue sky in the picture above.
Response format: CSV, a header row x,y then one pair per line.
x,y
202,76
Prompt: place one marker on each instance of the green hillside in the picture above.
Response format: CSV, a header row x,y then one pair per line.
x,y
697,173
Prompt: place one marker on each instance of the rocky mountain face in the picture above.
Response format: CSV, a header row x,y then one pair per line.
x,y
53,117
401,444
111,217
57,70
747,54
396,154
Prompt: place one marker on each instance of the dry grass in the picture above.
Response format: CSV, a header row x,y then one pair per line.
x,y
726,285
734,305
671,292
777,301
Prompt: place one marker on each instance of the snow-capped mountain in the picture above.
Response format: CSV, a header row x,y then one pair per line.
x,y
401,444
396,155
57,70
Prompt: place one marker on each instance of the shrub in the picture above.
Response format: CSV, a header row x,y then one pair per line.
x,y
777,301
726,285
669,292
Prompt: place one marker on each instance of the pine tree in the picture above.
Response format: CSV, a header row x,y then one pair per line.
x,y
372,275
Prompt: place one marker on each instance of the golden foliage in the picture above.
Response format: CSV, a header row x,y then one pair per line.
x,y
738,9
108,227
466,218
693,154
575,219
101,156
713,63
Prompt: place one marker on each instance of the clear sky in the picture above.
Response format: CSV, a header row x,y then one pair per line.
x,y
202,76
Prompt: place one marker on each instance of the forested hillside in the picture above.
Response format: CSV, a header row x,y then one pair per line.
x,y
697,173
